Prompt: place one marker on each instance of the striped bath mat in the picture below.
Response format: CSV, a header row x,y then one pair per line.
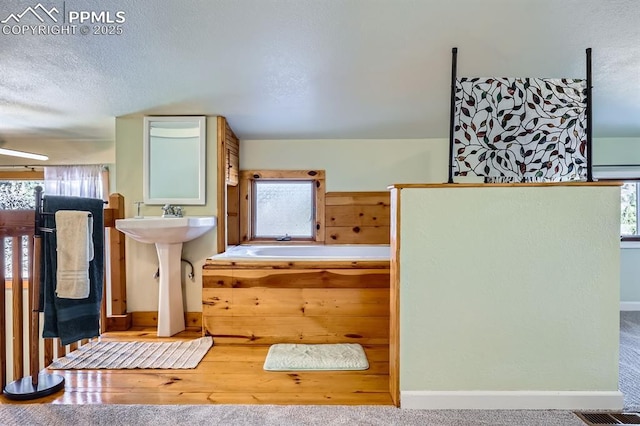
x,y
339,356
128,355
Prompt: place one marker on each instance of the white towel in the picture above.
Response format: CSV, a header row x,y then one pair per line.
x,y
74,232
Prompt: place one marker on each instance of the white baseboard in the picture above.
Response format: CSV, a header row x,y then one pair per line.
x,y
630,306
512,400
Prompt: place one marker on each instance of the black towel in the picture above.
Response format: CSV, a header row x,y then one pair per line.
x,y
72,319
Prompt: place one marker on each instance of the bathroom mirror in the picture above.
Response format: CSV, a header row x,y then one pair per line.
x,y
174,160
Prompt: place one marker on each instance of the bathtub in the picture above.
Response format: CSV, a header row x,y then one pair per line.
x,y
266,294
306,252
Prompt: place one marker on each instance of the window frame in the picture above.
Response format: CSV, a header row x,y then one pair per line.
x,y
246,182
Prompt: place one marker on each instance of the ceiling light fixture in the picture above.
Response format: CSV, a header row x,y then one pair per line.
x,y
23,154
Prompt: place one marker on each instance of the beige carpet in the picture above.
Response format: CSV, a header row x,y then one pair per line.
x,y
127,355
271,415
294,357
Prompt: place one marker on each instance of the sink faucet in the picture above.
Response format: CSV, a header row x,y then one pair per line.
x,y
171,211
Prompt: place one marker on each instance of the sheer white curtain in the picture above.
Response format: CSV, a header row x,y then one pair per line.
x,y
79,181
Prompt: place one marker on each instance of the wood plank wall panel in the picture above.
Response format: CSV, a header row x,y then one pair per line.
x,y
150,319
232,144
233,215
357,215
295,278
228,168
117,257
357,218
296,305
310,302
357,235
309,330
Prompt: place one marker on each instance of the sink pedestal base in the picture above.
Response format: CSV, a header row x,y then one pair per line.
x,y
170,305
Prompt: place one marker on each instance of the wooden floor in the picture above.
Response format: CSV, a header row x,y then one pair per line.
x,y
228,374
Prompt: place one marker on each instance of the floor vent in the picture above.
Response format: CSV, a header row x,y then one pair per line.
x,y
605,419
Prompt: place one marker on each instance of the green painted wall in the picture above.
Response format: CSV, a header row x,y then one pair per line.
x,y
506,289
353,164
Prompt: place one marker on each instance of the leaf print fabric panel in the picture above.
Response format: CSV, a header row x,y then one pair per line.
x,y
520,129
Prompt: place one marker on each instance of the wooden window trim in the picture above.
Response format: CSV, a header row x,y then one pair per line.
x,y
22,175
247,177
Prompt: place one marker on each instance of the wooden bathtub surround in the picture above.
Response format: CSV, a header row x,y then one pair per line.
x,y
296,302
357,217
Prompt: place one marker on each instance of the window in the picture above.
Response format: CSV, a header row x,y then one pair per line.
x,y
17,194
283,205
283,208
629,209
79,181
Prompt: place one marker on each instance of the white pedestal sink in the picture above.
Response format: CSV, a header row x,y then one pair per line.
x,y
168,234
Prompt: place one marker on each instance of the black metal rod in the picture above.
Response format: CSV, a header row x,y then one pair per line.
x,y
589,120
38,215
454,67
53,214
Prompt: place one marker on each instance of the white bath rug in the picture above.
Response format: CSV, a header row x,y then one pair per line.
x,y
128,355
338,356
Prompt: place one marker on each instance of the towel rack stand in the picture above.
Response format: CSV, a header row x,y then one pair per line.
x,y
40,383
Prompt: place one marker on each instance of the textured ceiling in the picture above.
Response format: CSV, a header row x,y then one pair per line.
x,y
307,69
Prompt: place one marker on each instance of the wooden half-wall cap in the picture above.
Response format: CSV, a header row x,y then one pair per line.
x,y
494,185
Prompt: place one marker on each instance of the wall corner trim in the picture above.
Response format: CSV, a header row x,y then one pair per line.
x,y
512,400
